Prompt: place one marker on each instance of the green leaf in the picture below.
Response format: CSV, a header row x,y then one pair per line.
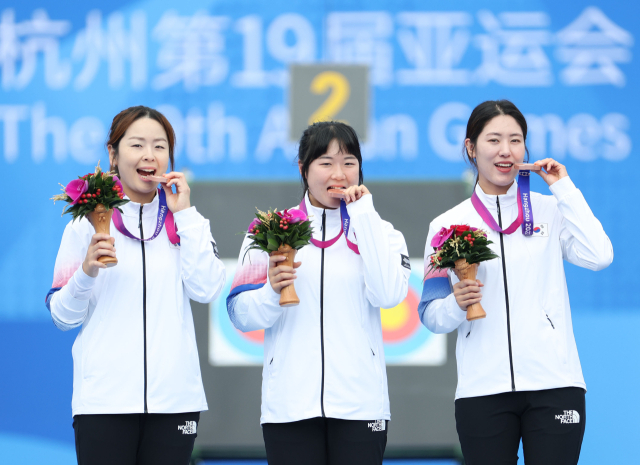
x,y
273,245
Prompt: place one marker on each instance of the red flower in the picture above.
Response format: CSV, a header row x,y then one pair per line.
x,y
460,229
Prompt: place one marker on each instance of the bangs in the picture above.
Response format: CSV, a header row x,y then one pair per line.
x,y
318,143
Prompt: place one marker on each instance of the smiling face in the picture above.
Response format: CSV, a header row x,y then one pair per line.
x,y
498,148
143,150
332,170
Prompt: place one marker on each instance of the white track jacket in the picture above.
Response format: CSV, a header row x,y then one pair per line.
x,y
526,342
136,351
325,356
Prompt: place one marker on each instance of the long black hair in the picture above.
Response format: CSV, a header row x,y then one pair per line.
x,y
315,142
484,113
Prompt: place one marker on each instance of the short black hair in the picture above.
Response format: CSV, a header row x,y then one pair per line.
x,y
315,142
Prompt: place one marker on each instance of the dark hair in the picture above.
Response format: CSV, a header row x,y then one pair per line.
x,y
484,113
315,142
127,117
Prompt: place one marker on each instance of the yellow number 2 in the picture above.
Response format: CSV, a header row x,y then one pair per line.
x,y
340,91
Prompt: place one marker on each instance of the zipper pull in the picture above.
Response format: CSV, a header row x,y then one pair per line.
x,y
374,354
140,220
324,214
468,334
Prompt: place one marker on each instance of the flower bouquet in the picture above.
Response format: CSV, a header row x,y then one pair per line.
x,y
462,248
281,233
94,195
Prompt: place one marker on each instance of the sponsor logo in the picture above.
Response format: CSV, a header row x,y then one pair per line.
x,y
188,428
404,260
569,417
378,425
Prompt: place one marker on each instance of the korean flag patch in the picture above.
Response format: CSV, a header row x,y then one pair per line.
x,y
404,260
540,230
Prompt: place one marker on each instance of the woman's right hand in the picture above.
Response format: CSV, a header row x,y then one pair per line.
x,y
101,244
467,292
280,276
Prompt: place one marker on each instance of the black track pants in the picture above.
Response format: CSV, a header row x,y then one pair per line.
x,y
550,422
325,441
135,439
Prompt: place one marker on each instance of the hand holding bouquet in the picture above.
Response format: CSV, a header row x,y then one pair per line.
x,y
94,195
281,233
461,248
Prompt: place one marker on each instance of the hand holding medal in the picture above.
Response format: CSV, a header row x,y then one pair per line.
x,y
553,171
462,248
281,234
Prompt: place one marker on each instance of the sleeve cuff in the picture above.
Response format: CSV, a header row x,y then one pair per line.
x,y
80,287
269,294
359,207
562,188
83,281
187,218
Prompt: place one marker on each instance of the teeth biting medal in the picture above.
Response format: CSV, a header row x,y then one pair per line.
x,y
160,179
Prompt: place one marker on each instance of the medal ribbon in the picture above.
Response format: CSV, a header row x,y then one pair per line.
x,y
345,221
525,214
165,218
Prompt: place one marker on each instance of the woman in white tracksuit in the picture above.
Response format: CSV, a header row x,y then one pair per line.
x,y
519,375
324,389
137,388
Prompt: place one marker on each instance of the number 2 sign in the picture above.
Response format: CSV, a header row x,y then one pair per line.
x,y
328,93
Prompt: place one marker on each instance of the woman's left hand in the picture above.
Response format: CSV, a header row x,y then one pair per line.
x,y
554,170
353,193
181,199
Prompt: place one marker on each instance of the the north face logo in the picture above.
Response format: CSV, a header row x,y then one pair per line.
x,y
569,416
377,425
188,428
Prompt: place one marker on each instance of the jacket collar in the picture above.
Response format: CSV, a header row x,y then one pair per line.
x,y
132,208
506,200
332,219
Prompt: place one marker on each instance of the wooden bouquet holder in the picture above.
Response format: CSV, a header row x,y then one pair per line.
x,y
100,218
465,271
288,296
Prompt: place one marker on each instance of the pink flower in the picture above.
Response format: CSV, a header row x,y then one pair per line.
x,y
253,224
441,237
75,189
293,215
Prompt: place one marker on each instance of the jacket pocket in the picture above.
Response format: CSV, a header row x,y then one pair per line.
x,y
554,325
375,357
464,335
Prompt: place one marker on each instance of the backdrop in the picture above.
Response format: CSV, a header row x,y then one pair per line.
x,y
219,71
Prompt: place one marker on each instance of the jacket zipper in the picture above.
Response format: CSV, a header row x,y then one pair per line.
x,y
144,309
506,297
322,311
